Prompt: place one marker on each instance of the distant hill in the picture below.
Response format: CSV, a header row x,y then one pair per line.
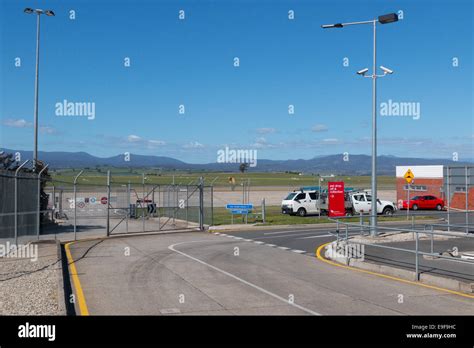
x,y
330,164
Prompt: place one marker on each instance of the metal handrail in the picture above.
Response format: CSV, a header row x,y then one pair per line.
x,y
417,252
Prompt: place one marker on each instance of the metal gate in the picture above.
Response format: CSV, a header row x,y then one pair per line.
x,y
148,208
100,210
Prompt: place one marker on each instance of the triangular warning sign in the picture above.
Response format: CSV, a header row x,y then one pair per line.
x,y
409,176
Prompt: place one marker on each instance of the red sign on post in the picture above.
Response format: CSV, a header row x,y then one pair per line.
x,y
336,198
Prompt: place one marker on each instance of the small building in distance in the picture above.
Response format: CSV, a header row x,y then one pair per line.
x,y
454,184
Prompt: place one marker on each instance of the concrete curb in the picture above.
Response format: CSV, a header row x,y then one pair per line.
x,y
429,279
61,293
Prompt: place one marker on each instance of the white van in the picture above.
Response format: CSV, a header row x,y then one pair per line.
x,y
303,203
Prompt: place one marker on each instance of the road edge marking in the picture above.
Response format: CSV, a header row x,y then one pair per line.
x,y
307,310
77,283
321,258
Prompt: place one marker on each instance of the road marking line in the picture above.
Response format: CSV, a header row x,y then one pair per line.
x,y
171,247
283,248
271,245
248,240
318,255
237,237
258,242
292,231
298,251
77,283
320,236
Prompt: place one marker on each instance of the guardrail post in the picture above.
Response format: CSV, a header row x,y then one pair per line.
x,y
337,231
361,223
263,210
38,208
347,233
416,260
16,200
432,239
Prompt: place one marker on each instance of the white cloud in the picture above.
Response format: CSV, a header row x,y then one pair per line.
x,y
193,145
47,130
134,139
17,123
331,140
266,130
319,128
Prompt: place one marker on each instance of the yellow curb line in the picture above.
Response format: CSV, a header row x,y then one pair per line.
x,y
77,283
318,255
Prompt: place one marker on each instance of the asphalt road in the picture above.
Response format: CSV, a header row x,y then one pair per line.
x,y
306,240
204,273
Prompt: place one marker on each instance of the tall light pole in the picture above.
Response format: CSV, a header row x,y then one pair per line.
x,y
38,13
388,18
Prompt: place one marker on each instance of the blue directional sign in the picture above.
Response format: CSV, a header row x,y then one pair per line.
x,y
239,211
239,206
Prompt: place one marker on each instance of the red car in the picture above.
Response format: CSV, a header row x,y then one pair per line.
x,y
424,202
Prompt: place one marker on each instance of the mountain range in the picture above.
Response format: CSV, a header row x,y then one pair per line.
x,y
328,164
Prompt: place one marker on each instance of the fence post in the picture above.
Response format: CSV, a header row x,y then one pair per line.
x,y
75,205
159,206
129,208
347,234
416,260
54,203
38,208
212,205
16,200
187,205
201,203
108,203
263,210
361,223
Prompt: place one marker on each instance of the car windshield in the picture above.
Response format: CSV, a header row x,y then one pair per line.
x,y
290,196
415,198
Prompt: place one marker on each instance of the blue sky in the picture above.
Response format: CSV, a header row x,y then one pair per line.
x,y
282,62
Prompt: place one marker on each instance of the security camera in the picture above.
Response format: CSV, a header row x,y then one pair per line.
x,y
362,72
386,70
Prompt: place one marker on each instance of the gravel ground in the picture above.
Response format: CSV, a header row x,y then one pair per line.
x,y
30,287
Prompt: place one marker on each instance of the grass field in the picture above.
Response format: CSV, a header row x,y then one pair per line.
x,y
120,175
275,217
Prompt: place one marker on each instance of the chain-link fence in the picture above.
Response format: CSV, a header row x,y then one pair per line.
x,y
32,206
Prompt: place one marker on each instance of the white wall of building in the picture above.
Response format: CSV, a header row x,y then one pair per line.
x,y
435,172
